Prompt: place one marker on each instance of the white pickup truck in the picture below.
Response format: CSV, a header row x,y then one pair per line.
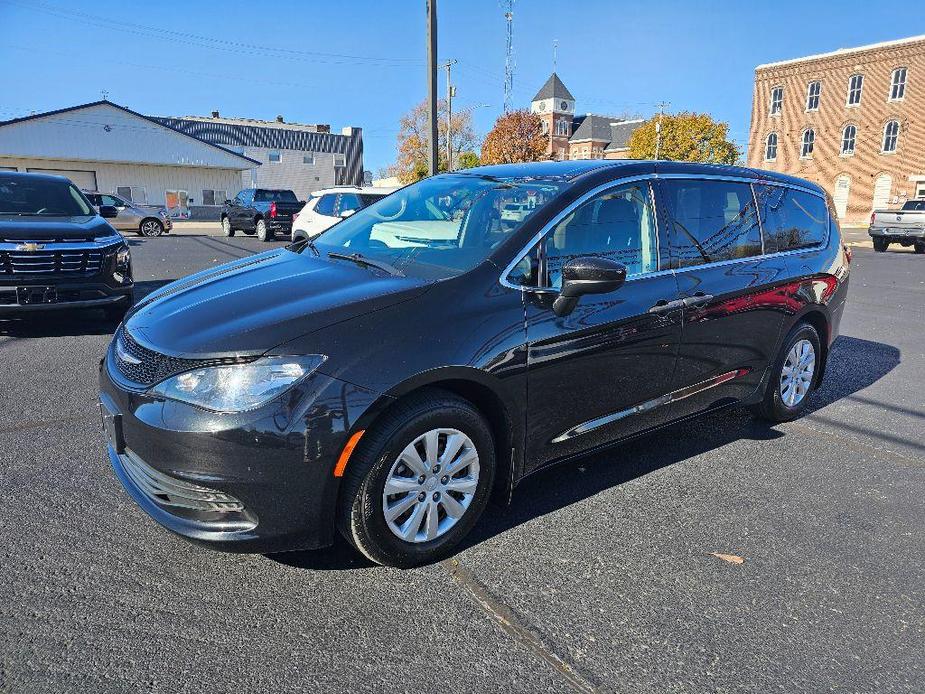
x,y
905,226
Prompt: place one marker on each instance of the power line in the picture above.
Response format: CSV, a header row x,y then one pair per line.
x,y
212,43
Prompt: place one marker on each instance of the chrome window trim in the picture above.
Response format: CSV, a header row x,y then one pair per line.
x,y
751,181
551,224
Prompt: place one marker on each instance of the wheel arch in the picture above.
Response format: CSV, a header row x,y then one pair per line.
x,y
486,394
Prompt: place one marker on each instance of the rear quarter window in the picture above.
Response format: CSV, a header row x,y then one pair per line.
x,y
791,218
325,205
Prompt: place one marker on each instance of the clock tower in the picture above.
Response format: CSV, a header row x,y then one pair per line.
x,y
555,106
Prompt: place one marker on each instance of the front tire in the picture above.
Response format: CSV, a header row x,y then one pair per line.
x,y
919,248
880,245
418,480
150,227
793,376
226,227
263,233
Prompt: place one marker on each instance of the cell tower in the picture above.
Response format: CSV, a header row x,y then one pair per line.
x,y
508,7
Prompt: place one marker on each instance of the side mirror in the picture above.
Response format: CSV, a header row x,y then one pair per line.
x,y
587,275
347,213
108,211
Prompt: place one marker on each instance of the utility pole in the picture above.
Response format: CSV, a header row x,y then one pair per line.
x,y
450,93
658,128
432,144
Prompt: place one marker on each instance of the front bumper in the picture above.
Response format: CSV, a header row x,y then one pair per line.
x,y
272,468
72,295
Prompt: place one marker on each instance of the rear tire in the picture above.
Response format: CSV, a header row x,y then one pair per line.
x,y
263,233
880,245
151,227
920,248
779,403
226,227
404,433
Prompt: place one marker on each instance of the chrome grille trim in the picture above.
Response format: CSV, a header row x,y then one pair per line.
x,y
145,367
86,262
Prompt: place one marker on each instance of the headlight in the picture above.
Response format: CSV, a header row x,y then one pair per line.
x,y
123,259
238,387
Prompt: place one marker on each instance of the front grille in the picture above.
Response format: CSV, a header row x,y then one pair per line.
x,y
172,492
146,367
49,262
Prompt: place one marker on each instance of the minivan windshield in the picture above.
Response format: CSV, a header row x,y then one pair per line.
x,y
27,197
441,226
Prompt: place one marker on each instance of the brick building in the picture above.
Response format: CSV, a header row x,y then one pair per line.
x,y
591,136
852,120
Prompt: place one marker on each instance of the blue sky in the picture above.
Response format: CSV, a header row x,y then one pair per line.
x,y
363,62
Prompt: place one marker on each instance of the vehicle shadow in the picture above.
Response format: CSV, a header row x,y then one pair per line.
x,y
853,365
68,323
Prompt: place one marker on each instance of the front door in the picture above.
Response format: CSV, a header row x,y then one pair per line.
x,y
125,219
601,372
735,296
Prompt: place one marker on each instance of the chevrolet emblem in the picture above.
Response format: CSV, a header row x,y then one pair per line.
x,y
30,247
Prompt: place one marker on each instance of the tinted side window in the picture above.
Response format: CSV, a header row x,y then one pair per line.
x,y
349,201
791,219
617,224
93,198
325,205
712,221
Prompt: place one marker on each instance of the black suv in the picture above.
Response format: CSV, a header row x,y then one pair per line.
x,y
429,349
56,252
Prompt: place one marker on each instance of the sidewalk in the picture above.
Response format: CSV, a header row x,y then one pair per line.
x,y
188,228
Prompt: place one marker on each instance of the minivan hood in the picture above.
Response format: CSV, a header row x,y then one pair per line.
x,y
250,306
80,228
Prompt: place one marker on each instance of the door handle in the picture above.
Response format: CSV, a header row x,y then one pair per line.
x,y
665,306
697,300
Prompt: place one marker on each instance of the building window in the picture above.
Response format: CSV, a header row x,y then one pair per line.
x,y
812,95
562,127
898,84
809,139
777,98
273,156
855,85
133,194
340,160
213,197
309,158
890,136
770,148
848,137
920,189
545,127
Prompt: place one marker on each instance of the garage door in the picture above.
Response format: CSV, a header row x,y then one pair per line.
x,y
842,189
882,187
85,180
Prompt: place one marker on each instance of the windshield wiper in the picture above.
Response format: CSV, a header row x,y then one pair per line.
x,y
369,262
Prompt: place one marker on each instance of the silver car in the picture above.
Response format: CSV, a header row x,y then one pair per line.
x,y
144,221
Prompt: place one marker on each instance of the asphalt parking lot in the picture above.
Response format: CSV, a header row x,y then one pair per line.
x,y
601,575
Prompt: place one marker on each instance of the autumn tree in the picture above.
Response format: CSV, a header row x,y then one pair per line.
x,y
413,135
516,137
685,137
467,160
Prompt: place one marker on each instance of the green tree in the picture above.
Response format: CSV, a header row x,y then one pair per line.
x,y
467,160
685,137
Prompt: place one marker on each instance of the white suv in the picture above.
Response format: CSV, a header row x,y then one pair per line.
x,y
327,207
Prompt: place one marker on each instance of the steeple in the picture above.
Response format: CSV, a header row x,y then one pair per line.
x,y
553,89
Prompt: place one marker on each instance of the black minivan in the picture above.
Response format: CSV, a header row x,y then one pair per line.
x,y
432,349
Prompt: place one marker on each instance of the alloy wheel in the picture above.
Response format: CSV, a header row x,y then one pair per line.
x,y
151,228
796,376
430,485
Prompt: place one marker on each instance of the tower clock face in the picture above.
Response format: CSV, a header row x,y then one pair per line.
x,y
542,106
564,105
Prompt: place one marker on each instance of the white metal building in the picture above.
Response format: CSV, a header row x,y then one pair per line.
x,y
106,147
